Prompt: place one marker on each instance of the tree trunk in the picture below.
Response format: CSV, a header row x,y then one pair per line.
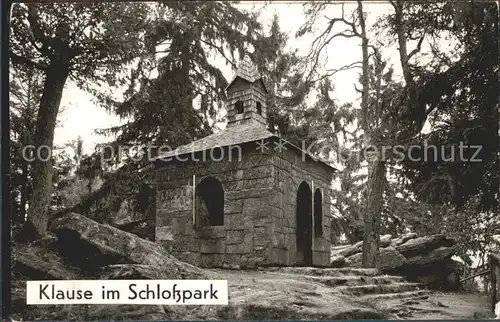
x,y
417,112
403,50
24,194
185,70
373,211
376,168
56,76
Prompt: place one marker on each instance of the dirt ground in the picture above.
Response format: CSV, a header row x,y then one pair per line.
x,y
439,306
266,295
436,305
454,306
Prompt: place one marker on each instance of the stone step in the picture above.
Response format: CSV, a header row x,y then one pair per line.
x,y
378,288
333,272
355,280
418,294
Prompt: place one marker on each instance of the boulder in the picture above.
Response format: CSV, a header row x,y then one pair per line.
x,y
347,250
423,245
434,256
91,246
390,259
127,312
339,250
41,263
34,262
403,239
354,260
337,261
132,271
385,240
336,249
444,275
421,259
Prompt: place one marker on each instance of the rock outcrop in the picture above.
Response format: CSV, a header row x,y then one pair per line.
x,y
91,246
424,259
85,249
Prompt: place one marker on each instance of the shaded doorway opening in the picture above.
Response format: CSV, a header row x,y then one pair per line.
x,y
304,225
209,203
318,213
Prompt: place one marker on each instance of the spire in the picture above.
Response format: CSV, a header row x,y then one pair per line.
x,y
247,70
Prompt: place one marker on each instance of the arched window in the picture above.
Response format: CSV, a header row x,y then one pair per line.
x,y
239,107
259,108
318,213
209,203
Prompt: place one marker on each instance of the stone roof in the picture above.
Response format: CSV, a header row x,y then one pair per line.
x,y
232,136
247,71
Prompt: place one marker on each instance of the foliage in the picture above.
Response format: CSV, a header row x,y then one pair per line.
x,y
85,43
458,89
25,88
75,176
100,38
183,101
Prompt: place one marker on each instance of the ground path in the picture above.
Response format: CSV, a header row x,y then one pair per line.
x,y
345,293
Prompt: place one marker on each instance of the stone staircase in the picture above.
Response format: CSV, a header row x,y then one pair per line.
x,y
364,283
391,293
309,293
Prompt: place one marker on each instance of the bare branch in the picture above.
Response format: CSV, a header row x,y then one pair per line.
x,y
441,57
332,72
26,61
416,50
349,23
320,42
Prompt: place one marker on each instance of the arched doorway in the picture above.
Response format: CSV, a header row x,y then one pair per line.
x,y
209,203
318,213
304,225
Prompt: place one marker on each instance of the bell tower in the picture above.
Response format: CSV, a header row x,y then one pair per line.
x,y
246,96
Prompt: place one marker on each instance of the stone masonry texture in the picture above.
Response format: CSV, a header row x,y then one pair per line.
x,y
260,192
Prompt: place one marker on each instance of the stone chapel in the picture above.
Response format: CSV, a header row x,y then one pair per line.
x,y
244,197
